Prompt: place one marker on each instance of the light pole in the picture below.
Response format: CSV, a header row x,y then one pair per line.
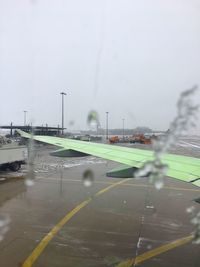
x,y
62,93
123,128
25,111
107,125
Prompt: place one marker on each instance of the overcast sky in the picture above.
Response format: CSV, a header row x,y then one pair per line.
x,y
129,57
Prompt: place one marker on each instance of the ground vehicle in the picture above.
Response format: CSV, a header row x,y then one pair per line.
x,y
114,139
12,156
141,138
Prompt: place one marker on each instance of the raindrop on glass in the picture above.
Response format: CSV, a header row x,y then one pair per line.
x,y
88,178
159,184
93,118
190,209
29,182
4,222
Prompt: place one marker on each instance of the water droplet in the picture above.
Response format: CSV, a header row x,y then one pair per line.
x,y
190,209
93,118
88,178
29,182
149,247
150,207
4,222
159,184
87,182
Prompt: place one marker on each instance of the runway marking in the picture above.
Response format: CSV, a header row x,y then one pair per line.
x,y
44,242
126,184
155,252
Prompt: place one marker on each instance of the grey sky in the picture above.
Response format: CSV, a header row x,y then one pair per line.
x,y
131,58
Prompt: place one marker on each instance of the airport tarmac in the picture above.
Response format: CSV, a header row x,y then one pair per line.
x,y
63,221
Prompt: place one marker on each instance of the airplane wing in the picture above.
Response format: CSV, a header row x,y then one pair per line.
x,y
183,168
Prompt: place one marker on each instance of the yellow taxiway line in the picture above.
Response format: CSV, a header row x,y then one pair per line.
x,y
128,263
155,252
44,242
124,184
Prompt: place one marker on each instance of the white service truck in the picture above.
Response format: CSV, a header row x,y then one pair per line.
x,y
12,155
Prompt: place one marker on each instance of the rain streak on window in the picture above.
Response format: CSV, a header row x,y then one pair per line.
x,y
185,119
30,178
88,177
4,225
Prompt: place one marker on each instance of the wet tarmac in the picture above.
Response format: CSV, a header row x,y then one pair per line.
x,y
120,221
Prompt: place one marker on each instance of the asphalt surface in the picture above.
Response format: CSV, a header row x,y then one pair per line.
x,y
120,223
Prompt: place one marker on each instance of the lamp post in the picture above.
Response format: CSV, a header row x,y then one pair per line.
x,y
107,125
25,112
123,128
62,93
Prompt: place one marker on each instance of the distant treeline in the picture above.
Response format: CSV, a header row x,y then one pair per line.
x,y
137,130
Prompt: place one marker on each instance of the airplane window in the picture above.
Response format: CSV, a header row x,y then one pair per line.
x,y
99,133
